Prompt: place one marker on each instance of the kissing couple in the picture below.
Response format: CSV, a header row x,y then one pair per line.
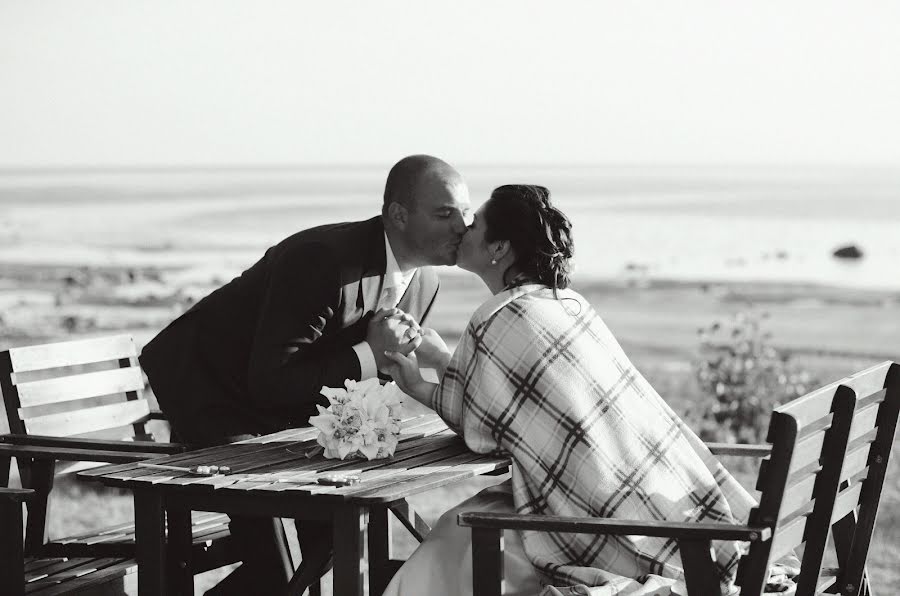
x,y
536,375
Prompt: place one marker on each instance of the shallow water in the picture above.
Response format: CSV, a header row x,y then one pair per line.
x,y
716,224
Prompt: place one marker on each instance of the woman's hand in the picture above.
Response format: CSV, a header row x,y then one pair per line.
x,y
432,352
394,330
405,371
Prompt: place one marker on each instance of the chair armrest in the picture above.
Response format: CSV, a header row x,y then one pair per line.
x,y
73,453
16,494
740,449
594,525
97,444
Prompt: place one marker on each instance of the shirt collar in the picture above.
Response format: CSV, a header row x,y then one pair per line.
x,y
392,274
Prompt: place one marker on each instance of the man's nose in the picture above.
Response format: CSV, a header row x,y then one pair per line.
x,y
459,224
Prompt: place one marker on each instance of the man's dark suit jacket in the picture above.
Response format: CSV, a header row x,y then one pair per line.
x,y
253,355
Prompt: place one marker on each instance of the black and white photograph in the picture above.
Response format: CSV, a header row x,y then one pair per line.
x,y
450,299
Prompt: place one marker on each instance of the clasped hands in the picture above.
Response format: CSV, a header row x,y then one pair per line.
x,y
392,330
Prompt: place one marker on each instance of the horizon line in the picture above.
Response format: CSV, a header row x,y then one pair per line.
x,y
223,167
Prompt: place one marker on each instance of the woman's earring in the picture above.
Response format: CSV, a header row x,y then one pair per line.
x,y
493,261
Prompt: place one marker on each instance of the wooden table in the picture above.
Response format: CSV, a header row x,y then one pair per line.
x,y
273,476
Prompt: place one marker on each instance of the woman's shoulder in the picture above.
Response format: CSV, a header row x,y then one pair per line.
x,y
527,300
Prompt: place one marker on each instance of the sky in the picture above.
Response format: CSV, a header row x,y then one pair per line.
x,y
196,83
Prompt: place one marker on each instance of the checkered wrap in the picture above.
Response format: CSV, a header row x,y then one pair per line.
x,y
545,381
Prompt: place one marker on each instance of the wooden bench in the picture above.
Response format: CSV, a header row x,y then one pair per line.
x,y
70,405
48,576
823,474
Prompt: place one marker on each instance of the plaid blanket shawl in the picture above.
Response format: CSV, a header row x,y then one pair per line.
x,y
545,381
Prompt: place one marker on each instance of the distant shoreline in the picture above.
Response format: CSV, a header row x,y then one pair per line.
x,y
21,274
43,302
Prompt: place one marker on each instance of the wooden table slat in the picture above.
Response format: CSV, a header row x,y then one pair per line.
x,y
394,477
52,567
428,482
219,455
309,468
457,462
415,427
277,458
383,470
35,565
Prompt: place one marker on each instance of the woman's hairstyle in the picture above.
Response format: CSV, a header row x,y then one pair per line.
x,y
538,232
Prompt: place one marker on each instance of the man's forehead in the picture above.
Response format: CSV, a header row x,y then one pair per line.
x,y
451,203
444,194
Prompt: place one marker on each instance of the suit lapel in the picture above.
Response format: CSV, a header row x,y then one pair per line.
x,y
407,301
373,270
419,293
369,292
362,280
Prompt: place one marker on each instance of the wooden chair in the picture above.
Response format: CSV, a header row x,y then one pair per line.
x,y
823,474
49,576
81,401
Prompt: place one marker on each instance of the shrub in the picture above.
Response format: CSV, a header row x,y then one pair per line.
x,y
745,376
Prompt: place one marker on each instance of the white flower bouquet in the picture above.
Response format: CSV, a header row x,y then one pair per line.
x,y
362,420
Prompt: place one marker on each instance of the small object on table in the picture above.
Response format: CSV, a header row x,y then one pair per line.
x,y
211,470
338,479
318,449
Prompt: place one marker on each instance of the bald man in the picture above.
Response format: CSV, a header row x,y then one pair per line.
x,y
318,308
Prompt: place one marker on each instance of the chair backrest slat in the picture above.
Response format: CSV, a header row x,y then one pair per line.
x,y
869,382
812,410
808,408
864,420
797,497
846,502
77,422
81,386
857,459
787,538
808,450
71,353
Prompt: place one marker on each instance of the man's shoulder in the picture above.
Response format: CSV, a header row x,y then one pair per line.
x,y
338,234
343,242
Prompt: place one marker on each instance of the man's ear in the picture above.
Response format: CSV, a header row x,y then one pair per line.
x,y
398,215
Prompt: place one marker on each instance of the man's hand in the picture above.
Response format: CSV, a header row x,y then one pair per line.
x,y
392,330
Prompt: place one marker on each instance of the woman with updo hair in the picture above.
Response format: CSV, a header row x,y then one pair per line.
x,y
538,375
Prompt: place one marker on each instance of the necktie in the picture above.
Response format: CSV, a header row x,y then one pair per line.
x,y
389,297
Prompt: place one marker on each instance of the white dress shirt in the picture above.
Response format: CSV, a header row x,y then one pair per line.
x,y
393,278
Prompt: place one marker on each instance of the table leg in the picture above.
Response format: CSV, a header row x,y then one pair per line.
x,y
149,534
350,567
379,550
180,570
